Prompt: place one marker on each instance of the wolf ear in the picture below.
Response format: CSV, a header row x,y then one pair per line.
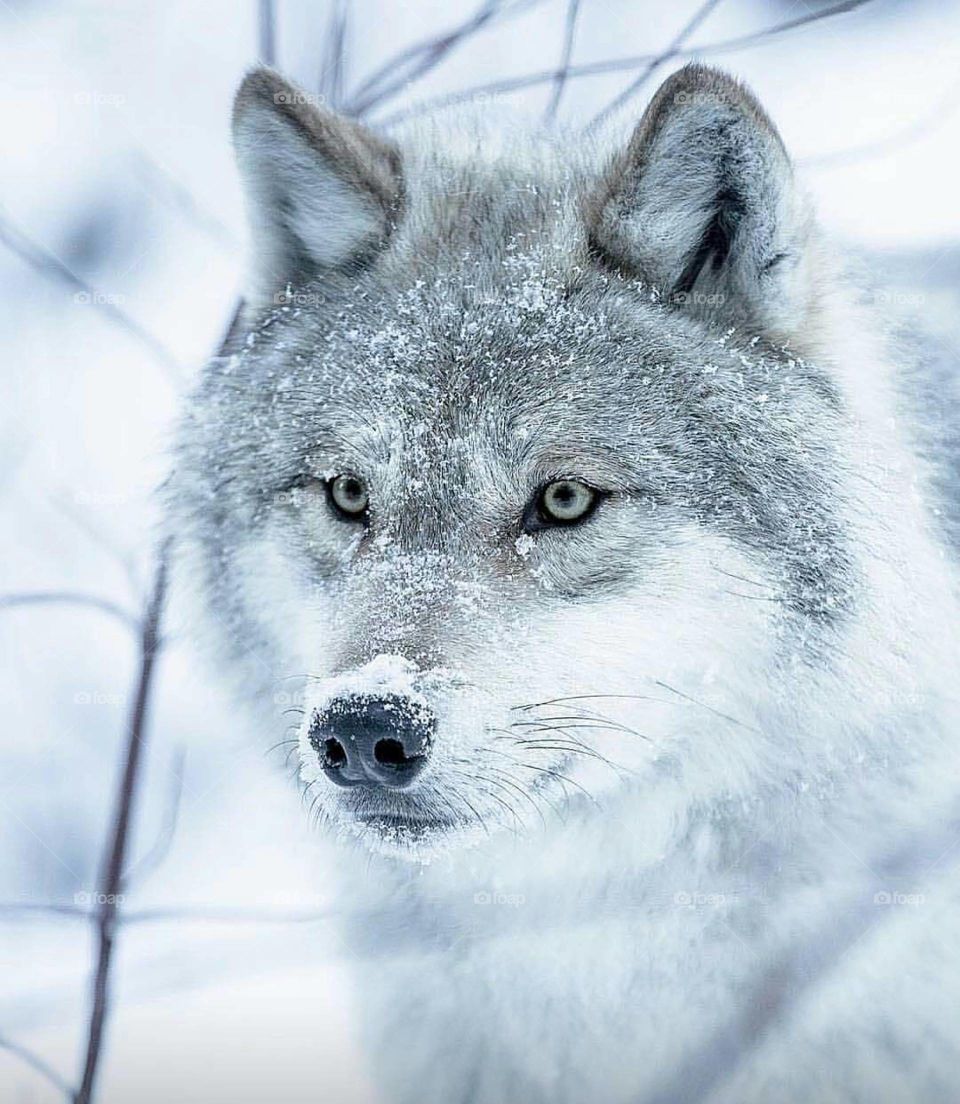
x,y
702,205
321,191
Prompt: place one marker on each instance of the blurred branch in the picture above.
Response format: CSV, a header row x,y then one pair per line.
x,y
266,32
670,52
13,910
334,63
617,65
569,32
71,598
169,190
103,540
144,867
51,267
904,136
37,1064
112,882
416,61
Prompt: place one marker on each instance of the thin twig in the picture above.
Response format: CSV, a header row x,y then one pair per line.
x,y
71,598
14,910
619,65
111,885
560,82
105,541
415,62
906,135
161,183
266,32
50,266
416,59
334,63
158,852
670,52
37,1064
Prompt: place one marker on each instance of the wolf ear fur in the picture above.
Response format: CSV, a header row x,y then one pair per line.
x,y
321,190
702,205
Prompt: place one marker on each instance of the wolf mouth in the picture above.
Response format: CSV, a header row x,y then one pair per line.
x,y
404,829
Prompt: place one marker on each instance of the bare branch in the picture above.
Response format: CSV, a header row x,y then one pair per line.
x,y
159,182
670,52
914,131
168,829
111,885
266,32
394,66
103,540
14,910
618,65
50,266
71,598
560,82
416,61
334,62
37,1064
227,915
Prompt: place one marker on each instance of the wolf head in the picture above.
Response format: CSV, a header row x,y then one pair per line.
x,y
517,465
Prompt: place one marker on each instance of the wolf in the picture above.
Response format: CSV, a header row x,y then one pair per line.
x,y
574,488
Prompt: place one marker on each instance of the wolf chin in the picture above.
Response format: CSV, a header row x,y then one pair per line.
x,y
574,489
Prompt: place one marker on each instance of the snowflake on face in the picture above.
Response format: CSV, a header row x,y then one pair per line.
x,y
524,545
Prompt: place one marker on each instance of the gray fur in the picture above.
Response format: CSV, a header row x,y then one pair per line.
x,y
759,602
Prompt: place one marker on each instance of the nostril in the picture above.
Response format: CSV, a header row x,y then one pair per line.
x,y
366,741
390,753
334,754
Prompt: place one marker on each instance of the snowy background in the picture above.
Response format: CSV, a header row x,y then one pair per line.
x,y
121,247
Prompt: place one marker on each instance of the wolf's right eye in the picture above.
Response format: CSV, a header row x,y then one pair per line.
x,y
348,496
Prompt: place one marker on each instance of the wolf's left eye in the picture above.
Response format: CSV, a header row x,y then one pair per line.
x,y
348,495
563,502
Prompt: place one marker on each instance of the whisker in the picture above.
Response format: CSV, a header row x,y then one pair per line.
x,y
523,793
544,745
281,743
609,725
470,806
586,697
544,770
510,809
709,708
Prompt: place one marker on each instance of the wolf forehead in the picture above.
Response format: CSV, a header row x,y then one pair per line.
x,y
493,313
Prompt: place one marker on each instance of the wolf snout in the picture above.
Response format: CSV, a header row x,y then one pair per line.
x,y
373,741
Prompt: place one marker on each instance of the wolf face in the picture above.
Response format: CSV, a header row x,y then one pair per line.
x,y
518,465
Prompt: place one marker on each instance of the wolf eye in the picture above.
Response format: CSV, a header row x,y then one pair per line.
x,y
563,502
348,495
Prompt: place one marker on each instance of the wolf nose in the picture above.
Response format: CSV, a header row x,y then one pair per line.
x,y
365,741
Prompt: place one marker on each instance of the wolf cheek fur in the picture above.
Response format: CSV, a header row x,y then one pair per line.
x,y
675,744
